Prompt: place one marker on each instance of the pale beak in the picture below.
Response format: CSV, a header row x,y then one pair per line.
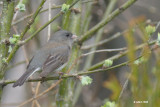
x,y
74,37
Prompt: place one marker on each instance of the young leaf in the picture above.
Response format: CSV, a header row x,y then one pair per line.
x,y
109,104
16,36
65,8
86,80
21,7
108,63
150,29
12,40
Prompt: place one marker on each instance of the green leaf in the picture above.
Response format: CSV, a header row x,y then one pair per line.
x,y
16,36
86,80
140,60
150,29
109,104
108,63
65,8
4,60
12,40
21,7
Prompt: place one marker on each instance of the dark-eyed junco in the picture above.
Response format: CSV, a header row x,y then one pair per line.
x,y
51,57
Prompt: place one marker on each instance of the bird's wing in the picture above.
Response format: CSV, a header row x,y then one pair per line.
x,y
54,61
30,62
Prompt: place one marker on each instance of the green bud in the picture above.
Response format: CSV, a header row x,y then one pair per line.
x,y
140,60
86,80
12,40
65,8
108,63
21,7
109,104
150,29
16,36
4,60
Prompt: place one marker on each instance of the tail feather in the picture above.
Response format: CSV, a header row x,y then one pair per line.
x,y
24,77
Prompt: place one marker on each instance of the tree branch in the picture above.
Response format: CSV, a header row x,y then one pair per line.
x,y
16,47
6,82
44,26
91,70
5,26
121,54
41,94
30,15
105,21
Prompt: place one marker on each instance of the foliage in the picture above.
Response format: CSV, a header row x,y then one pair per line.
x,y
65,8
150,29
108,63
21,7
86,80
14,39
109,104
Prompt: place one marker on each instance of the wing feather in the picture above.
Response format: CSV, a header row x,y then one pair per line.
x,y
54,62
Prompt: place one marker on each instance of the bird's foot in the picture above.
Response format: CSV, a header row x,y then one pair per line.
x,y
43,79
60,75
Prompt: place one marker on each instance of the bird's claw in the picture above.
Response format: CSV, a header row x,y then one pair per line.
x,y
60,74
43,79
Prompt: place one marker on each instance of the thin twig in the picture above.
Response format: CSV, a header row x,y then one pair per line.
x,y
15,15
121,54
104,41
44,26
14,65
35,94
41,94
40,29
104,50
30,15
97,51
126,82
115,36
49,18
157,26
89,33
87,1
89,70
16,47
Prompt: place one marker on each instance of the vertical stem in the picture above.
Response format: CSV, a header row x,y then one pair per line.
x,y
5,26
49,18
98,37
16,47
100,32
106,20
66,17
85,26
66,88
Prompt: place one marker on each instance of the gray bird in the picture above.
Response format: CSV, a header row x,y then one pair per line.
x,y
52,57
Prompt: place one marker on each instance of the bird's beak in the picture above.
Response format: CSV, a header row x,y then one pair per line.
x,y
74,37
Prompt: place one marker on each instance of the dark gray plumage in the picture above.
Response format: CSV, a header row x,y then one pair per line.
x,y
51,57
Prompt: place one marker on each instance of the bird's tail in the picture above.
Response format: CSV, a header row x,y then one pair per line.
x,y
24,77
